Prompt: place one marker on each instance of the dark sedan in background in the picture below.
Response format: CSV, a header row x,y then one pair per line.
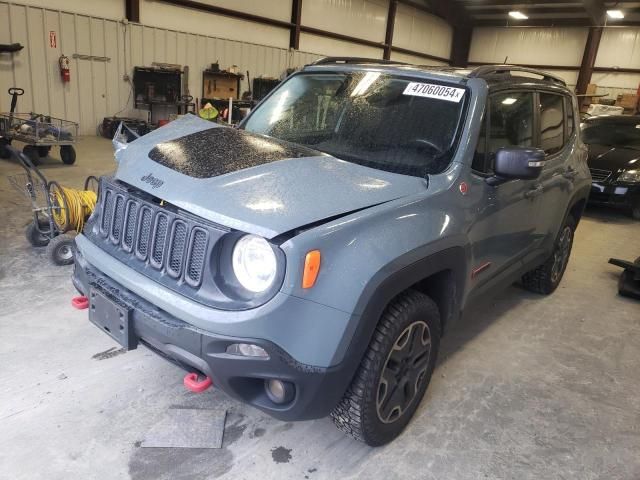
x,y
614,160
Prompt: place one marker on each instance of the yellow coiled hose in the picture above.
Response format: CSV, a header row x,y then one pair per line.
x,y
72,207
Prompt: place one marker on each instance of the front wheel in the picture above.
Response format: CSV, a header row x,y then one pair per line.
x,y
394,373
546,278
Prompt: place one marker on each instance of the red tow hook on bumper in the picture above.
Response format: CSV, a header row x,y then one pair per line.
x,y
191,382
80,302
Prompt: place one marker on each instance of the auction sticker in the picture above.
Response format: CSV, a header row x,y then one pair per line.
x,y
450,94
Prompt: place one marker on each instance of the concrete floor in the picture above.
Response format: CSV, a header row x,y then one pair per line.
x,y
527,387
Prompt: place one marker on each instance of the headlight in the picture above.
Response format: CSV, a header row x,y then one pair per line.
x,y
631,176
254,263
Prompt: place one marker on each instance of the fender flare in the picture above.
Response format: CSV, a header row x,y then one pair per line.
x,y
579,195
388,282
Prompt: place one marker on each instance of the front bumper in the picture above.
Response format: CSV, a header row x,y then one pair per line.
x,y
317,389
613,194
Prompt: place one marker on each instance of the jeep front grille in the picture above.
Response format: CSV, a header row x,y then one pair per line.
x,y
598,175
143,233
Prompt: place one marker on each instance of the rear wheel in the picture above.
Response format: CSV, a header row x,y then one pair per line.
x,y
546,278
68,154
394,373
35,237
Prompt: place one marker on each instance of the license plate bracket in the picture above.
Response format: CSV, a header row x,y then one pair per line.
x,y
112,318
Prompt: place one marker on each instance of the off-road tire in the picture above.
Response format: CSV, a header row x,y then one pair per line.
x,y
61,249
542,279
35,238
357,414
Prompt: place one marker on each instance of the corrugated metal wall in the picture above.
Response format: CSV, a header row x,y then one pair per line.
x,y
619,47
97,88
531,46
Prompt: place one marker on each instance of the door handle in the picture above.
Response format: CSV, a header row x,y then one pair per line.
x,y
534,191
570,173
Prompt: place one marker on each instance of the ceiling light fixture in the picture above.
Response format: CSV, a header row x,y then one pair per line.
x,y
517,15
617,14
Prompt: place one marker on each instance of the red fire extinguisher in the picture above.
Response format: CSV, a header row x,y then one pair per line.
x,y
63,61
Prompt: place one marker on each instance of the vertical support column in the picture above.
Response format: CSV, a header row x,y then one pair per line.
x,y
296,16
460,45
132,10
588,59
388,36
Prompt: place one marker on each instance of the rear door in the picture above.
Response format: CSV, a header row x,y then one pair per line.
x,y
557,139
504,226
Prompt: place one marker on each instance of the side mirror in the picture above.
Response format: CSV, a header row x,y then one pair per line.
x,y
525,163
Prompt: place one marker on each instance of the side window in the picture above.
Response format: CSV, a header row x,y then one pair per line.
x,y
510,121
570,119
551,123
479,156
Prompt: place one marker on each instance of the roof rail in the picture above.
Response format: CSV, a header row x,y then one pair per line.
x,y
326,60
485,70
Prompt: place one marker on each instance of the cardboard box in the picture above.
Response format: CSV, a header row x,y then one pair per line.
x,y
592,89
628,101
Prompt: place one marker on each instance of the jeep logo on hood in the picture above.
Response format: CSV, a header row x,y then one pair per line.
x,y
153,181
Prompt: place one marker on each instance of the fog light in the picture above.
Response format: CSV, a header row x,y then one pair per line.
x,y
279,391
247,350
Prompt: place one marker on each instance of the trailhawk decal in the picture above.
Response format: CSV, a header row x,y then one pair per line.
x,y
450,94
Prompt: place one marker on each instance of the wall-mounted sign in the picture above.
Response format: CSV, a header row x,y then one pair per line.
x,y
53,41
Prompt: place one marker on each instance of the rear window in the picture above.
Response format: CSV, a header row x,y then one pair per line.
x,y
551,123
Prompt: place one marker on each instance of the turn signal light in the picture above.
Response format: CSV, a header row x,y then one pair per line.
x,y
311,269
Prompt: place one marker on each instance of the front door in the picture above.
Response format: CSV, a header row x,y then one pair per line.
x,y
505,215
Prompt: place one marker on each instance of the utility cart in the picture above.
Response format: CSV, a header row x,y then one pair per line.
x,y
38,132
58,212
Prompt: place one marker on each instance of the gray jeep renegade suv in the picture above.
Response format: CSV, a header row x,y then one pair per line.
x,y
309,261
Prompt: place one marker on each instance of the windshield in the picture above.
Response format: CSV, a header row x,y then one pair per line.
x,y
613,135
373,119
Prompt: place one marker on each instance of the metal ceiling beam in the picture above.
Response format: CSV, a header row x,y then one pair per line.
x,y
450,11
296,20
391,21
578,10
132,10
596,11
511,3
533,22
461,45
588,59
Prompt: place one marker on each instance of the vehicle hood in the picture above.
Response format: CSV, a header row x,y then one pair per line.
x,y
250,182
605,157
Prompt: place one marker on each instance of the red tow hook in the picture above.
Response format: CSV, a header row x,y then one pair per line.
x,y
192,382
80,302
